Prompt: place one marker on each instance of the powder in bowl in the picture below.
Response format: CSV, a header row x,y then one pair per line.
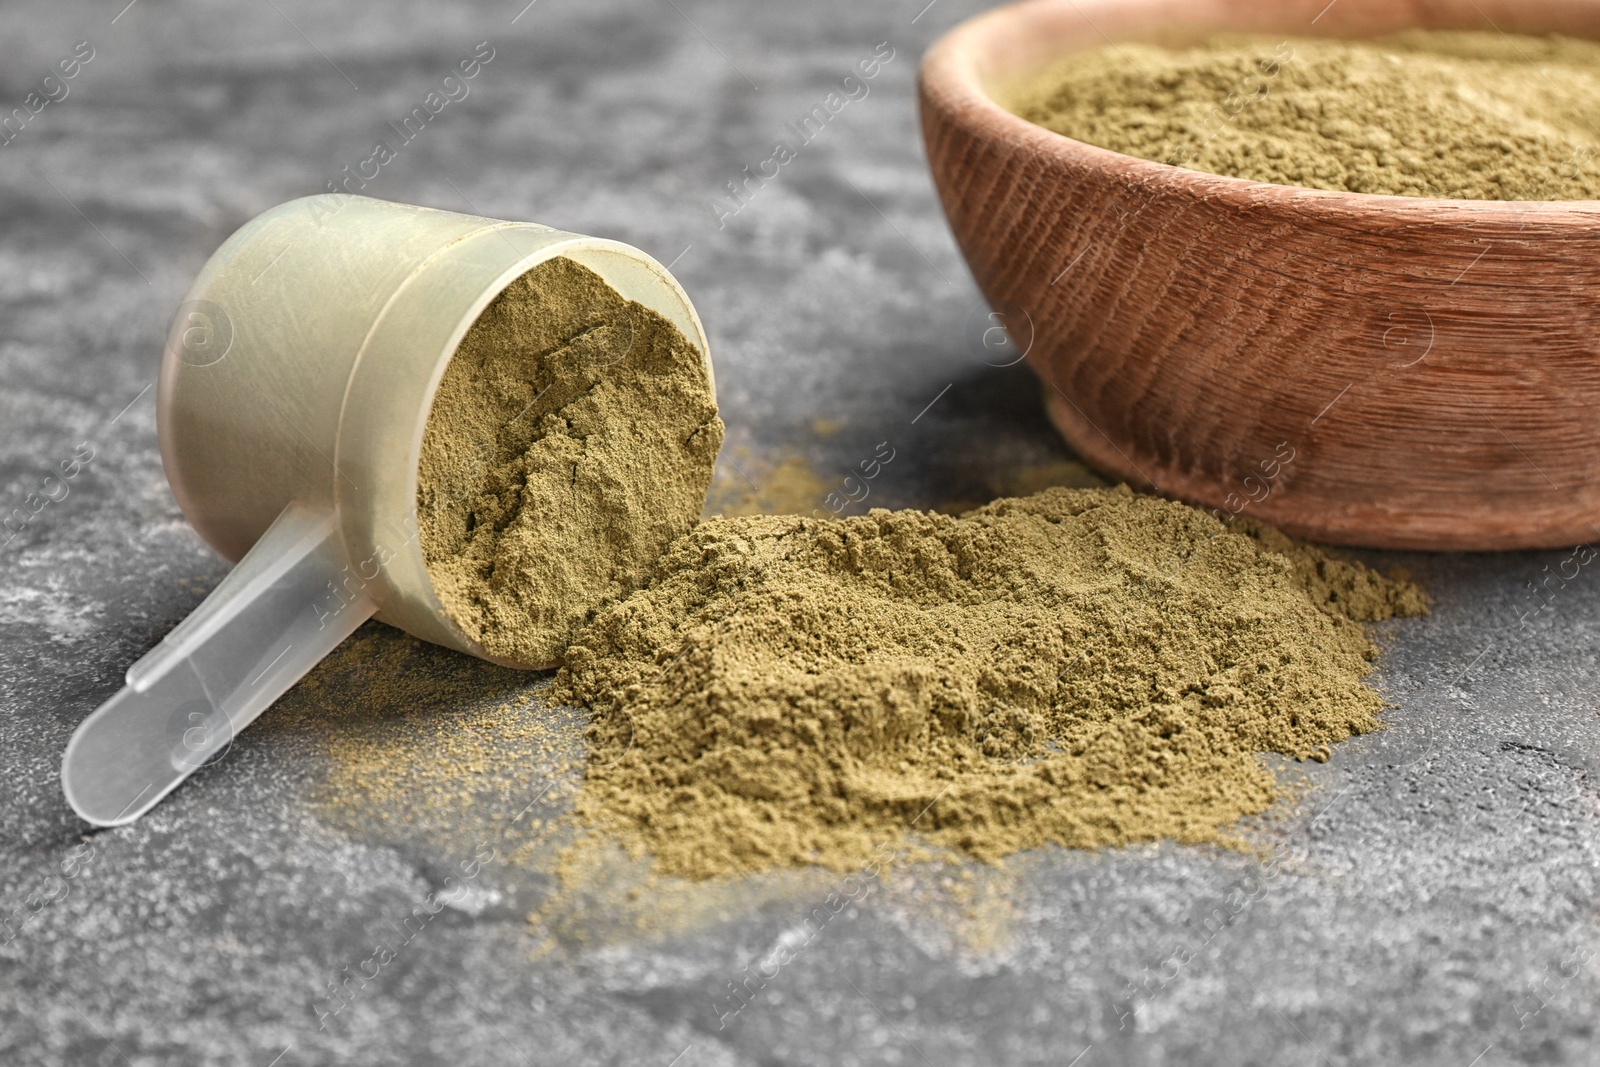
x,y
1450,114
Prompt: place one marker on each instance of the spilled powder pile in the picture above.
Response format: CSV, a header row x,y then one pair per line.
x,y
572,438
1465,115
1086,667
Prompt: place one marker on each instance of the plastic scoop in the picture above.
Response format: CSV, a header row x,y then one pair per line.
x,y
294,391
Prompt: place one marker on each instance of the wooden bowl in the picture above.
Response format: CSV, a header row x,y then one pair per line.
x,y
1370,370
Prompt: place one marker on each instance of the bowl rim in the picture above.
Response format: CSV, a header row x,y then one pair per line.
x,y
949,74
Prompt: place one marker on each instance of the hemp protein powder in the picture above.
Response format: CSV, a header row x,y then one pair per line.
x,y
1082,667
571,440
1475,115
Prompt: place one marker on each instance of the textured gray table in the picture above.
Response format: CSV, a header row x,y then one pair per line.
x,y
1431,899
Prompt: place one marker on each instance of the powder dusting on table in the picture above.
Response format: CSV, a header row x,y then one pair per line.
x,y
422,744
1079,667
747,484
1455,114
572,439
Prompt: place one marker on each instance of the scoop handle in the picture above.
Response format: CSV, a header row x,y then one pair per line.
x,y
286,605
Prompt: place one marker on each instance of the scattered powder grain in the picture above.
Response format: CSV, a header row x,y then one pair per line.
x,y
1466,115
750,485
987,476
424,746
1086,667
572,438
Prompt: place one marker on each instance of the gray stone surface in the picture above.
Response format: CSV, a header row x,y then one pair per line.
x,y
1430,900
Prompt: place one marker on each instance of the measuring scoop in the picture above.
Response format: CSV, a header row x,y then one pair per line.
x,y
295,387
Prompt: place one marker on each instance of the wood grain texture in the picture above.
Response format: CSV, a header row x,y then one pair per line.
x,y
1431,368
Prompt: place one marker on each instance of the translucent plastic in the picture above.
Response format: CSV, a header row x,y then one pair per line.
x,y
293,397
287,604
